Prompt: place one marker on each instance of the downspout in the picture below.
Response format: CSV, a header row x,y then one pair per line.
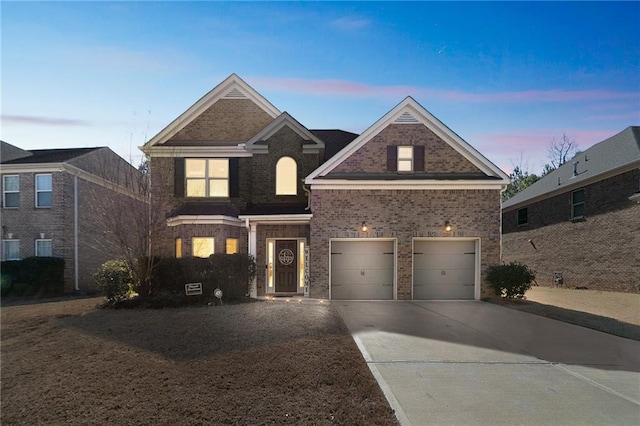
x,y
75,233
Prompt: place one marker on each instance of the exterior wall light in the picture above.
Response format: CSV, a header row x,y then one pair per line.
x,y
447,226
364,227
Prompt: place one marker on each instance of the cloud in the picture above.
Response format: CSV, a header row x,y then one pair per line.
x,y
43,121
635,115
350,23
362,90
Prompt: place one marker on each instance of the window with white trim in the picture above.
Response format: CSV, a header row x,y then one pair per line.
x,y
577,204
207,177
11,191
44,248
201,246
178,247
44,190
286,176
405,158
10,249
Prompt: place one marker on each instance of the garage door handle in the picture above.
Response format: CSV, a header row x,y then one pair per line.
x,y
335,253
418,253
471,252
390,252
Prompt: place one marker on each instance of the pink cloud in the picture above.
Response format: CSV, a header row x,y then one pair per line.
x,y
357,89
43,121
624,116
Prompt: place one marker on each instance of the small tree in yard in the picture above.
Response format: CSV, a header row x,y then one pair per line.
x,y
511,280
114,278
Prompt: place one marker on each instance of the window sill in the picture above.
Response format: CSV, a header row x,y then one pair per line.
x,y
578,219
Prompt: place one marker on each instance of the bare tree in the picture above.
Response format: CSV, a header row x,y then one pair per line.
x,y
561,150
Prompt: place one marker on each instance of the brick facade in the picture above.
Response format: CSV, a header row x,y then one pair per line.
x,y
439,156
599,252
402,215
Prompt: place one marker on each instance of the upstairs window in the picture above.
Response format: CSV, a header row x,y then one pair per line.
x,y
405,158
577,204
286,176
44,190
207,177
11,191
44,248
523,216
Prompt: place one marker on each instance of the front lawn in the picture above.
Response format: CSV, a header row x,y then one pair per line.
x,y
254,363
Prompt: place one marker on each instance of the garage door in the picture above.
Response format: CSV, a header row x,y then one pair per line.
x,y
362,270
444,270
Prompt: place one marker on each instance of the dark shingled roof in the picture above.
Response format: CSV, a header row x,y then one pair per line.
x,y
270,209
334,140
205,209
40,156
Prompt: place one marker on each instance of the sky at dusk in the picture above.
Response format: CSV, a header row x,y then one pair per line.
x,y
508,77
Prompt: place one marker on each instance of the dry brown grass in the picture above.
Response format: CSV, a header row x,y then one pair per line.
x,y
254,363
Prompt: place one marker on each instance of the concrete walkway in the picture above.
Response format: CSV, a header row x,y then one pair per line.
x,y
474,363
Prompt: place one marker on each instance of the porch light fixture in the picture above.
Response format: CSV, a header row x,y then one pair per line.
x,y
447,226
364,227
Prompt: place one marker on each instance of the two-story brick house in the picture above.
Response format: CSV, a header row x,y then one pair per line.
x,y
579,226
51,202
405,210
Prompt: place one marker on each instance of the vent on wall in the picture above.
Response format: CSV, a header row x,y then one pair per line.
x,y
406,118
234,93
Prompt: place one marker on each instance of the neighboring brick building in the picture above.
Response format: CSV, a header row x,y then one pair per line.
x,y
581,222
51,202
405,210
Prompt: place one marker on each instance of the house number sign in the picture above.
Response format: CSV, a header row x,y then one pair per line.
x,y
285,257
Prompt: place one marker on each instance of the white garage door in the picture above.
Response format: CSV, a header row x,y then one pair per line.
x,y
444,270
362,270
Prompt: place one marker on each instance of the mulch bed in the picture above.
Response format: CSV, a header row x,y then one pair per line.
x,y
254,363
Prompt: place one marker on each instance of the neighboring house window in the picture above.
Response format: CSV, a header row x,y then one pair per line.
x,y
207,177
577,204
11,191
201,246
44,190
178,247
232,246
405,158
10,249
286,176
523,216
44,248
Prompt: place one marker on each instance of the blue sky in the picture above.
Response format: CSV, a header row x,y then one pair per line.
x,y
507,77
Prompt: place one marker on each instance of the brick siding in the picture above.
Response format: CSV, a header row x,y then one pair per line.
x,y
402,215
439,156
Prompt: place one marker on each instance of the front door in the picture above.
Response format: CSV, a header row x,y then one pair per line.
x,y
286,266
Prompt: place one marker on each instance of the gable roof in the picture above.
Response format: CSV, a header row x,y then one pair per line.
x,y
233,87
609,157
48,156
411,112
285,119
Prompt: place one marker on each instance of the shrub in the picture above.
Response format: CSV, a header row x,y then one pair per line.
x,y
511,280
33,276
114,279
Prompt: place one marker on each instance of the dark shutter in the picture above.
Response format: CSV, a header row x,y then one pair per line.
x,y
234,177
178,175
392,158
418,158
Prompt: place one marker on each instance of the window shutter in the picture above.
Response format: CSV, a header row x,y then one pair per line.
x,y
234,177
178,175
392,158
418,158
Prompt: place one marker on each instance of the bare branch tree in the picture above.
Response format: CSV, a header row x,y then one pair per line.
x,y
561,150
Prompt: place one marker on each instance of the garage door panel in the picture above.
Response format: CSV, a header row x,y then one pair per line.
x,y
362,270
444,270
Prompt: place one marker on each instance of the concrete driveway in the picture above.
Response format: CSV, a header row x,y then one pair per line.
x,y
474,363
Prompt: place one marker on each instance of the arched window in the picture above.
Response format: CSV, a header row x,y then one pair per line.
x,y
286,176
